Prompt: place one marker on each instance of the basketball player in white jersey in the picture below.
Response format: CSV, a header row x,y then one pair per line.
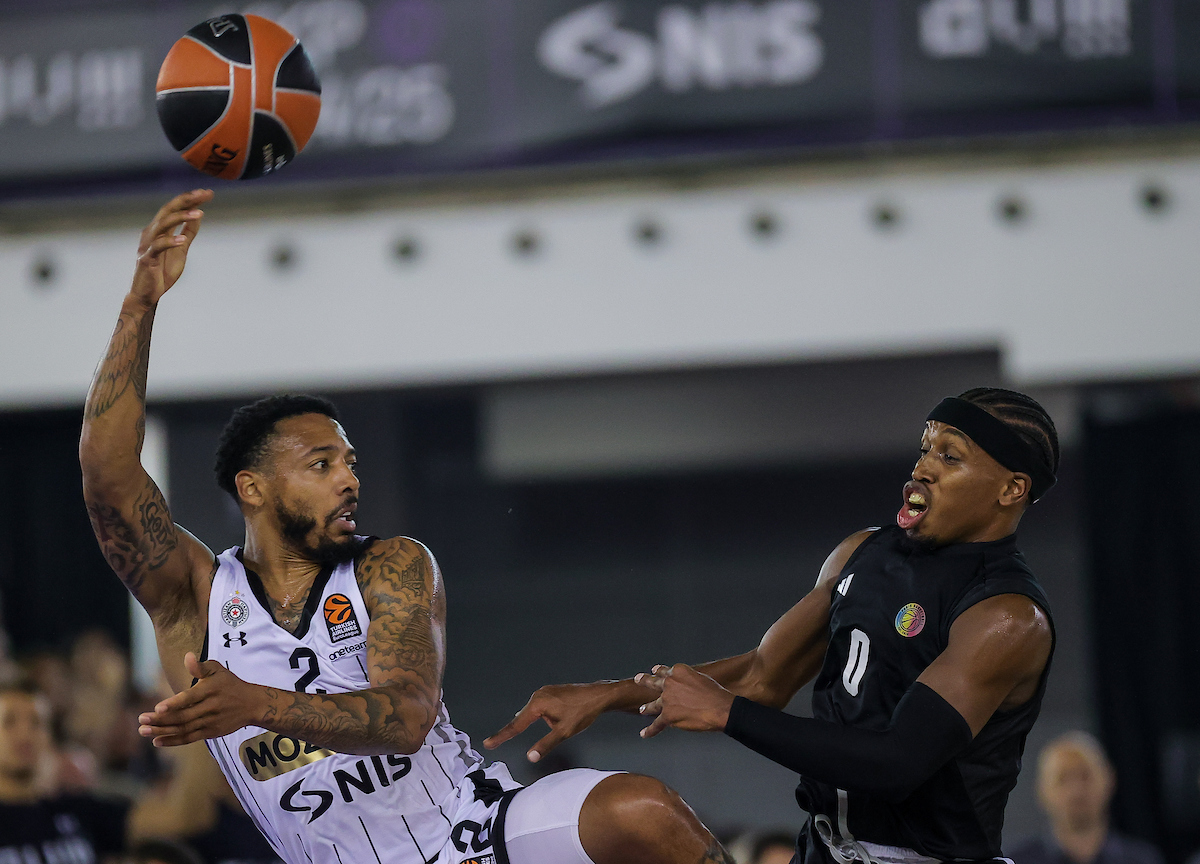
x,y
311,658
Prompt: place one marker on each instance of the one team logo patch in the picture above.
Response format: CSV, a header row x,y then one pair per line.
x,y
910,620
340,618
235,611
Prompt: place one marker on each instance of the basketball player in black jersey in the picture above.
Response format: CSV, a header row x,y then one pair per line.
x,y
296,485
930,641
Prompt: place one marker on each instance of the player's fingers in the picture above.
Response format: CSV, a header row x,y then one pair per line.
x,y
660,723
184,201
513,728
651,709
654,682
202,670
171,221
162,244
548,743
192,226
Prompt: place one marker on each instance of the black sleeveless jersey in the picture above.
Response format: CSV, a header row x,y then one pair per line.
x,y
893,606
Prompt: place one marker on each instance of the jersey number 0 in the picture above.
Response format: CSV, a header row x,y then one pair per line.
x,y
856,661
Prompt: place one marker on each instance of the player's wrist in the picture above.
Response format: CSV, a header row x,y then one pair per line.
x,y
258,704
138,304
627,695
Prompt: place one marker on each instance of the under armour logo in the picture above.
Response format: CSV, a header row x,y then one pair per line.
x,y
844,585
240,638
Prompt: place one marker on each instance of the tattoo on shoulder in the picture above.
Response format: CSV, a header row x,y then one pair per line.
x,y
137,543
400,590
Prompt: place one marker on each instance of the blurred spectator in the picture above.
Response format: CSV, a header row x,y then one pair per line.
x,y
1075,785
39,825
103,713
196,807
773,849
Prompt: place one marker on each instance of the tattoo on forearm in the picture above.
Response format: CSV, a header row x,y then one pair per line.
x,y
126,363
403,650
366,722
714,854
137,543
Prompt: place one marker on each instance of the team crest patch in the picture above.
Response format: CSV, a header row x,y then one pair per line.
x,y
910,620
235,611
340,618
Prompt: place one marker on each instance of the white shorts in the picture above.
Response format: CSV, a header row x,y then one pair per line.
x,y
539,823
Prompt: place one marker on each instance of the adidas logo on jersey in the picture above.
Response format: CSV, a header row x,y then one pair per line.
x,y
844,585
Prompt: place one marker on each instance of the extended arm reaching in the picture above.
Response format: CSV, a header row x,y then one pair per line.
x,y
405,655
154,558
786,659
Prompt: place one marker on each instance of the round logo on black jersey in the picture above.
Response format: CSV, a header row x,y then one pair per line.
x,y
235,611
910,620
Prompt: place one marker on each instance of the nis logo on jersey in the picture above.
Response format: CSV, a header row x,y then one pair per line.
x,y
340,618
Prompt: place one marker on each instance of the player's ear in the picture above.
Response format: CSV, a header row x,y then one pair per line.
x,y
250,488
1016,490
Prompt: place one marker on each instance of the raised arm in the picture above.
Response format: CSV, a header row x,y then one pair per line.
x,y
155,559
405,659
787,658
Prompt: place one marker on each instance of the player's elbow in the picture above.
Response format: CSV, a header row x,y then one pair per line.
x,y
406,733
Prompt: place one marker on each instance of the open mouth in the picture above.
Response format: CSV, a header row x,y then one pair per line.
x,y
344,517
916,505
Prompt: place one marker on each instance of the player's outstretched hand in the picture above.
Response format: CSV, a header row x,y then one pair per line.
x,y
690,700
164,244
217,704
568,709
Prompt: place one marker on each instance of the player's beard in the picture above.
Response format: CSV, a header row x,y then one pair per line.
x,y
327,552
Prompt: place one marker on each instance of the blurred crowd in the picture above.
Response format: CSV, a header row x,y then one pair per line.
x,y
78,785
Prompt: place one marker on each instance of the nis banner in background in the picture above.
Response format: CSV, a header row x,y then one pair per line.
x,y
444,85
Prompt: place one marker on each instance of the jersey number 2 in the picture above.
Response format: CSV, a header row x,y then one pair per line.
x,y
856,661
313,670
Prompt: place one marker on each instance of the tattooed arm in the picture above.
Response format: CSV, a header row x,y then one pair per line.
x,y
405,655
156,560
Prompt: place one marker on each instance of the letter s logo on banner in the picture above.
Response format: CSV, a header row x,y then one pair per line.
x,y
729,44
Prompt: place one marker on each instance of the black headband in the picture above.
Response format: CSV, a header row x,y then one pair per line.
x,y
996,439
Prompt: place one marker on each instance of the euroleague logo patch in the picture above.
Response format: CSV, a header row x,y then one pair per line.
x,y
340,618
910,620
235,611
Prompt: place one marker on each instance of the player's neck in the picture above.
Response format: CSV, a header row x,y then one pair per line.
x,y
1081,843
276,563
1004,525
18,788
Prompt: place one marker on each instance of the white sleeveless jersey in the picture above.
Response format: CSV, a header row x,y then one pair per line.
x,y
315,806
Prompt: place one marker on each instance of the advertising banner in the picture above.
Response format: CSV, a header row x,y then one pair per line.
x,y
446,85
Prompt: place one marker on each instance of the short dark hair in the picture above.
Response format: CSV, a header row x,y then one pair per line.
x,y
247,435
1024,416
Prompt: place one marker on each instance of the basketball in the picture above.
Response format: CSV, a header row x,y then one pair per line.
x,y
237,97
337,608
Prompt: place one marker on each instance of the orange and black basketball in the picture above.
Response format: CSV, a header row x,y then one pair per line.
x,y
337,608
238,97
